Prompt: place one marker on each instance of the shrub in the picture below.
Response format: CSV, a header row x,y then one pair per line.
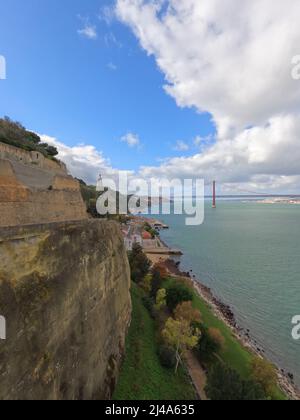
x,y
148,302
264,373
156,283
147,284
185,311
161,299
139,263
210,343
225,384
176,294
167,357
14,134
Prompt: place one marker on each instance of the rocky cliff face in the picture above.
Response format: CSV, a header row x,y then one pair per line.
x,y
64,291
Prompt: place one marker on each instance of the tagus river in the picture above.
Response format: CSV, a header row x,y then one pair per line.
x,y
249,255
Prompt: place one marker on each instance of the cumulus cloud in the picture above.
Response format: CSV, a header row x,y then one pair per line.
x,y
131,139
233,60
230,58
83,161
256,157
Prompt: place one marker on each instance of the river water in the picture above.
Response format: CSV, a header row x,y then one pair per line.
x,y
249,254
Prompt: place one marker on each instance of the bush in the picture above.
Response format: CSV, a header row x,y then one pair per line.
x,y
264,373
156,283
225,384
14,134
167,357
148,302
209,344
146,285
177,294
185,311
139,263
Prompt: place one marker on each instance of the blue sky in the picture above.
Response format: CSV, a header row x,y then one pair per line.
x,y
91,91
79,77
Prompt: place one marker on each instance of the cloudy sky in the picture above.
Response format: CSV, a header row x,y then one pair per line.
x,y
162,88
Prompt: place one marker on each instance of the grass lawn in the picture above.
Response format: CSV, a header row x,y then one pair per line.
x,y
234,354
142,376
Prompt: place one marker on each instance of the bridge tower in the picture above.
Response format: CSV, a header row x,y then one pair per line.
x,y
214,205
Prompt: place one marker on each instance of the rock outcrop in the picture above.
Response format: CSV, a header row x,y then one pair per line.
x,y
64,291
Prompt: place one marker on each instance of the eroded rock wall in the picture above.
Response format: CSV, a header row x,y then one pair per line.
x,y
64,291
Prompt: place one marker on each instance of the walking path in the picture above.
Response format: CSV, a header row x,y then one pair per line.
x,y
197,374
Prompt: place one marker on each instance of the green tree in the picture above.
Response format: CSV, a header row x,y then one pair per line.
x,y
156,283
185,311
177,294
264,373
13,133
51,151
139,263
210,343
225,384
181,336
167,356
161,299
147,284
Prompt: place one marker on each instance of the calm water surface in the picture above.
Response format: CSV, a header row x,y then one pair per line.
x,y
249,254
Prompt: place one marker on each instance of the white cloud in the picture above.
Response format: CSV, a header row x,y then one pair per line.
x,y
83,161
222,57
131,139
181,146
260,156
88,31
244,164
233,60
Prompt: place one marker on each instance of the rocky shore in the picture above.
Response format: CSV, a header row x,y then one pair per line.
x,y
225,313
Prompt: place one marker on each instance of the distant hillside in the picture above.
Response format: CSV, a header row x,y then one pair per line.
x,y
90,196
14,134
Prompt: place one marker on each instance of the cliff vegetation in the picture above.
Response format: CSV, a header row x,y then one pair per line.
x,y
175,336
14,134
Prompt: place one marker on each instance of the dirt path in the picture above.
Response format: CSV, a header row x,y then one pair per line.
x,y
197,374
